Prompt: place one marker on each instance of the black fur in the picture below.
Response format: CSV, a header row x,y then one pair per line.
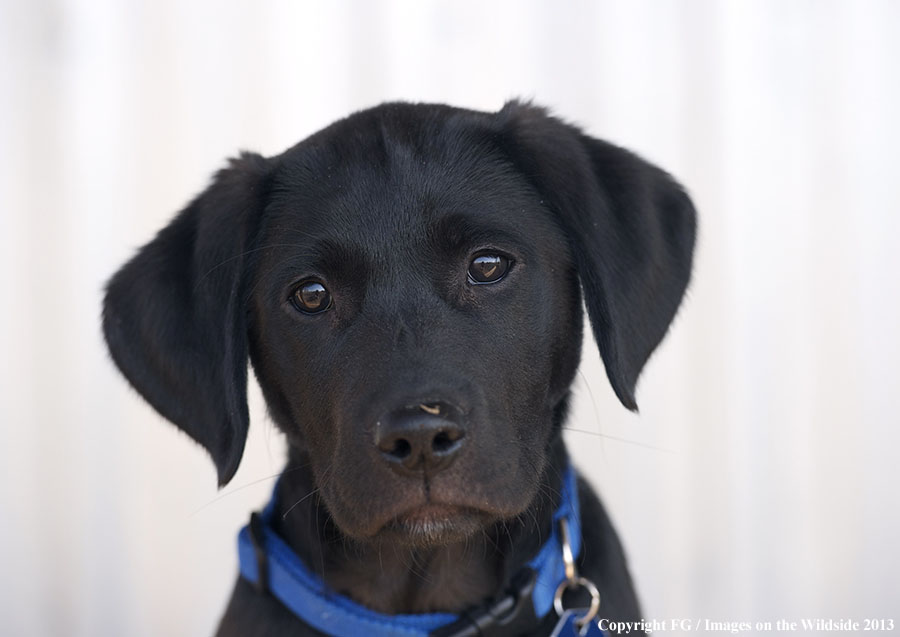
x,y
387,208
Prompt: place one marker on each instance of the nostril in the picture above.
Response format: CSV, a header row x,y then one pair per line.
x,y
399,450
446,441
423,437
441,442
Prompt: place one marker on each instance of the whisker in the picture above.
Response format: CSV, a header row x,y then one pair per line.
x,y
587,386
291,508
242,487
618,439
243,254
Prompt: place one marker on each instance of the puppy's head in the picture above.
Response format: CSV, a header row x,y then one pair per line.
x,y
407,284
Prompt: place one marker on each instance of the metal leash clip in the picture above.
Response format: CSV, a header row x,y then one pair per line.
x,y
572,582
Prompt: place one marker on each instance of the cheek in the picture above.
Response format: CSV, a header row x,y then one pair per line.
x,y
541,339
294,380
538,326
512,369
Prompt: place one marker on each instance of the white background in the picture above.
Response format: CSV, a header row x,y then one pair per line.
x,y
760,479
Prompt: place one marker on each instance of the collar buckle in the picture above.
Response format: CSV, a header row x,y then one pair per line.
x,y
512,614
257,538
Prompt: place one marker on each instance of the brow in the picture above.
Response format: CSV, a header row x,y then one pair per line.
x,y
458,232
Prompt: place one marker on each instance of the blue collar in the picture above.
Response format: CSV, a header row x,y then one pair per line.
x,y
305,594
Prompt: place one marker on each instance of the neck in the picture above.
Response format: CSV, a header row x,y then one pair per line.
x,y
396,579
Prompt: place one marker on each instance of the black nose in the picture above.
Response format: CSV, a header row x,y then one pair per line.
x,y
424,438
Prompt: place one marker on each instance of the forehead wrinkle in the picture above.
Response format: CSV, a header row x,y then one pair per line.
x,y
336,258
383,193
390,221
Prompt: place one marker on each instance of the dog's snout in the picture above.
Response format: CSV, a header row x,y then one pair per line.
x,y
425,438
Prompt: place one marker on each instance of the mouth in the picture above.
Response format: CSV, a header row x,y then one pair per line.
x,y
434,524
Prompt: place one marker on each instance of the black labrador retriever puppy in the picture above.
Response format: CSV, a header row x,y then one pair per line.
x,y
407,284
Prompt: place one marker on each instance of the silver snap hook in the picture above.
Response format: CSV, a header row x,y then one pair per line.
x,y
573,580
568,558
575,583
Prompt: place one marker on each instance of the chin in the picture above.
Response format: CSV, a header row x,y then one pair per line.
x,y
431,526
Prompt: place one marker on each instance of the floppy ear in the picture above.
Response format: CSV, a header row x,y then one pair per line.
x,y
630,225
174,316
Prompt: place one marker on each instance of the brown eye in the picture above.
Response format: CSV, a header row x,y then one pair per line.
x,y
311,297
488,268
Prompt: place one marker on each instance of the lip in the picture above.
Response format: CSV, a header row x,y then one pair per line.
x,y
436,524
430,513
